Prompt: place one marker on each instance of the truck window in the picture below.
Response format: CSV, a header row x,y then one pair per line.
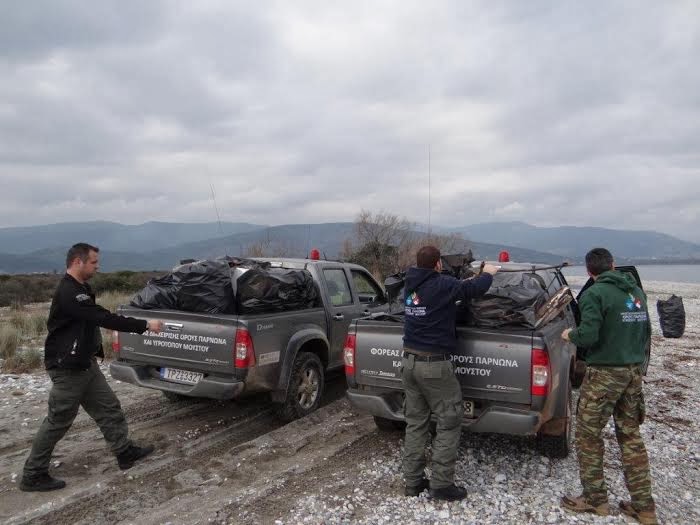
x,y
367,289
338,286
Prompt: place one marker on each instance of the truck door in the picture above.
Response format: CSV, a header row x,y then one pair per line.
x,y
370,295
343,309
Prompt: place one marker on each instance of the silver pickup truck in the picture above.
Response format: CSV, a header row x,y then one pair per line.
x,y
225,356
514,380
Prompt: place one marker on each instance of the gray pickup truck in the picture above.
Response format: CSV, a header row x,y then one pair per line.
x,y
514,380
223,356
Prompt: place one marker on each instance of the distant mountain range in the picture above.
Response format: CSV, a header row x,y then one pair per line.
x,y
159,245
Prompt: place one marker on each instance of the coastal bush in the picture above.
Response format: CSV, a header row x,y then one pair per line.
x,y
9,340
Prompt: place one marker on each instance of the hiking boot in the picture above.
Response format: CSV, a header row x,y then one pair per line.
x,y
646,517
132,454
581,504
449,493
414,491
40,483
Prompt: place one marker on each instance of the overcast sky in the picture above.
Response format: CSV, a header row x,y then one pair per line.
x,y
552,113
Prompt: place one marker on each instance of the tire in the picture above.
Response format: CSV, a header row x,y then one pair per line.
x,y
305,387
173,397
389,425
559,446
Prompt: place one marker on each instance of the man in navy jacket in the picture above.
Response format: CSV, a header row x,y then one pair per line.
x,y
428,373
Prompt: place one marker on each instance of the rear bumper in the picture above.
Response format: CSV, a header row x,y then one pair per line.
x,y
496,419
210,387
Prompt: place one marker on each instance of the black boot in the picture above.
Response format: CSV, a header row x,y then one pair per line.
x,y
132,454
40,483
414,491
449,493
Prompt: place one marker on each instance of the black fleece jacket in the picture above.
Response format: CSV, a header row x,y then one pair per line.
x,y
74,321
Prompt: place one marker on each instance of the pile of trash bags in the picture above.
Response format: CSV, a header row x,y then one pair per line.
x,y
229,285
671,316
512,300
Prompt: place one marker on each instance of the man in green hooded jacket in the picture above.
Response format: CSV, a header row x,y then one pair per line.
x,y
615,328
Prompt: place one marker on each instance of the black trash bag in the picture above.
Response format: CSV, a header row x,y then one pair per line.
x,y
394,285
276,289
671,316
512,300
205,286
159,292
200,286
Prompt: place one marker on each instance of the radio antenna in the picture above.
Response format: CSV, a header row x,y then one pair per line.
x,y
429,214
216,209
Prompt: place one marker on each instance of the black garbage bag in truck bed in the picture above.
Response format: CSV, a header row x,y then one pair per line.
x,y
512,300
276,289
201,286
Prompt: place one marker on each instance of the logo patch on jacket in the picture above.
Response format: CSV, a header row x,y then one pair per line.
x,y
81,297
633,303
413,299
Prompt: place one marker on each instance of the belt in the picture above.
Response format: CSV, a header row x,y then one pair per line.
x,y
419,357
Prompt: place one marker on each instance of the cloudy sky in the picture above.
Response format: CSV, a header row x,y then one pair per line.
x,y
552,113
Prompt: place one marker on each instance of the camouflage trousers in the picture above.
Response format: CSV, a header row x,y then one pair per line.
x,y
615,391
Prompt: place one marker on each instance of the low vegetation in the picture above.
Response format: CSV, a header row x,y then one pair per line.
x,y
23,328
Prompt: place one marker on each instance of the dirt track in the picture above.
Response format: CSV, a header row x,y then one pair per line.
x,y
212,459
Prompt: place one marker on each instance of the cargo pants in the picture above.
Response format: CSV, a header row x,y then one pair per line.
x,y
72,389
615,391
431,387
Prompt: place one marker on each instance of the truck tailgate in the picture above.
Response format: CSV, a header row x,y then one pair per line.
x,y
489,364
202,342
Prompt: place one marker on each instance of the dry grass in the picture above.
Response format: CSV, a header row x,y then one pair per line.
x,y
9,340
23,362
112,300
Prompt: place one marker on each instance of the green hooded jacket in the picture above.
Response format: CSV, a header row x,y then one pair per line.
x,y
614,321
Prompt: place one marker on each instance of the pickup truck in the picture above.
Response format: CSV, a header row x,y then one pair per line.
x,y
223,356
514,380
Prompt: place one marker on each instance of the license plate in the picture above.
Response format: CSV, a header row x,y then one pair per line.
x,y
180,376
468,408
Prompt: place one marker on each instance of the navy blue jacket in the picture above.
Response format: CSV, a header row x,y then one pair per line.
x,y
429,324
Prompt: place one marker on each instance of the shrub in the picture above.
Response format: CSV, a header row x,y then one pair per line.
x,y
9,340
25,361
112,300
37,323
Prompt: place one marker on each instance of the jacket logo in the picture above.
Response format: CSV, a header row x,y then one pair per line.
x,y
633,303
413,299
82,297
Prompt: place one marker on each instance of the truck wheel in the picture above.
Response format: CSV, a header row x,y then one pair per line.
x,y
389,425
558,447
305,387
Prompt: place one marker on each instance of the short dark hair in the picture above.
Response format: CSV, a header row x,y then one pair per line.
x,y
599,260
80,250
427,257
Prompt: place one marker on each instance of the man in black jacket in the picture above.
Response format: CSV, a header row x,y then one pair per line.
x,y
428,373
72,346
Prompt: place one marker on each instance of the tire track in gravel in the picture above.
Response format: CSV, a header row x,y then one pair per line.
x,y
147,410
107,497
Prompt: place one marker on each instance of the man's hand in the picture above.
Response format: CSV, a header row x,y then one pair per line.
x,y
565,334
490,268
155,325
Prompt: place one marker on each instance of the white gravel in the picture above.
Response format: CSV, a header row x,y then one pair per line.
x,y
509,482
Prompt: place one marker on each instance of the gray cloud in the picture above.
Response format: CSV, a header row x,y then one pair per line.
x,y
567,113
